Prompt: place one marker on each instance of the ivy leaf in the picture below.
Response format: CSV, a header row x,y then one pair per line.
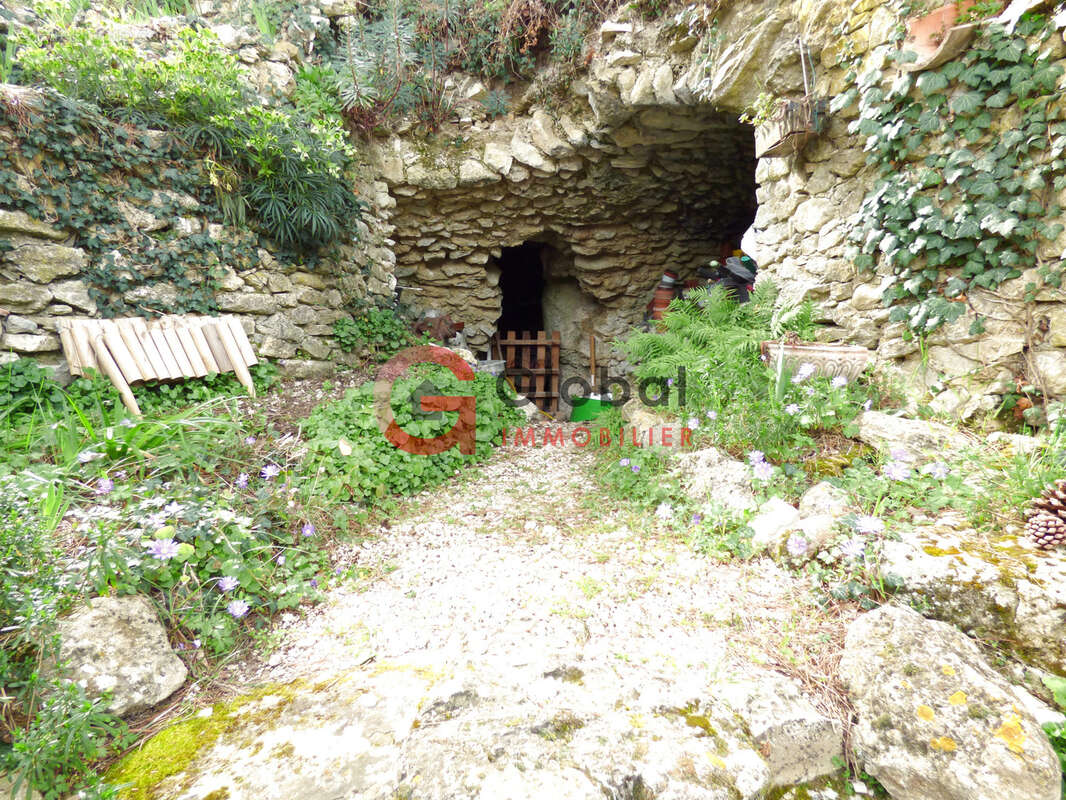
x,y
1011,50
952,70
967,102
930,82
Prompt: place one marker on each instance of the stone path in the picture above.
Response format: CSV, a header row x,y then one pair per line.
x,y
517,635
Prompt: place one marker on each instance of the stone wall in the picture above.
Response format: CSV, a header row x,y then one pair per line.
x,y
288,311
617,207
645,144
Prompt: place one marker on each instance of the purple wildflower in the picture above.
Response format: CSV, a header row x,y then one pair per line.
x,y
901,454
938,470
281,560
104,486
228,583
163,549
237,608
669,381
797,546
314,583
839,382
308,529
249,440
172,508
853,548
269,471
792,409
712,415
624,462
868,524
242,481
635,468
805,371
867,405
763,471
697,519
896,471
756,457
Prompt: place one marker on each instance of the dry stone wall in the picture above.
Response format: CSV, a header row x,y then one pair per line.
x,y
287,310
616,208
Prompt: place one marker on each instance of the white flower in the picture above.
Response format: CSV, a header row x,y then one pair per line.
x,y
838,382
664,511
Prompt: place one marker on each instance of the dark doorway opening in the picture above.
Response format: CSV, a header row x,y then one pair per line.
x,y
522,287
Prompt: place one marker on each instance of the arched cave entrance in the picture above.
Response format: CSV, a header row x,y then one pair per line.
x,y
558,226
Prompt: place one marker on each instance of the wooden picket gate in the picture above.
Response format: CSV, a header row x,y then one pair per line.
x,y
533,365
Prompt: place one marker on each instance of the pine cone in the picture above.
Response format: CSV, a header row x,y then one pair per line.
x,y
1046,524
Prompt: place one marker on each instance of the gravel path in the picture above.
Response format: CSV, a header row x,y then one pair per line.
x,y
525,561
518,635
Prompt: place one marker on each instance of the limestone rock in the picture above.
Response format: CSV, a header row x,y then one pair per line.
x,y
498,157
247,303
305,368
117,645
800,743
920,439
30,342
19,222
1000,592
823,498
139,219
159,296
525,153
16,324
43,263
22,296
74,293
472,172
710,474
772,524
935,720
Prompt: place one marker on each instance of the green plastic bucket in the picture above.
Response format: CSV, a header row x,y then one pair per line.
x,y
586,408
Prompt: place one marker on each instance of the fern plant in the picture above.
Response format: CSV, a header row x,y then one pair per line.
x,y
715,340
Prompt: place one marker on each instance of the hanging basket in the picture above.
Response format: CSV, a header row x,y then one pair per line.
x,y
794,125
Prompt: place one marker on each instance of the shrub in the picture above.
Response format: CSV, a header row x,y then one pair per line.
x,y
381,332
288,167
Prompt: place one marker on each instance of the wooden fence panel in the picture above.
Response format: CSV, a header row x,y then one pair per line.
x,y
532,360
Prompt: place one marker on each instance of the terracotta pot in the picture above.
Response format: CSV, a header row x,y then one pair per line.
x,y
926,33
829,360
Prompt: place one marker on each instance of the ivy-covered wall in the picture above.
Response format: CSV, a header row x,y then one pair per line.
x,y
164,166
927,220
99,219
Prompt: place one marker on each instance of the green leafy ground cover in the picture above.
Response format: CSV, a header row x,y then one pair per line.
x,y
194,505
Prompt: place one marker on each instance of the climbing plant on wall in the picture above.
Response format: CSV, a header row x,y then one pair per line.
x,y
64,162
970,157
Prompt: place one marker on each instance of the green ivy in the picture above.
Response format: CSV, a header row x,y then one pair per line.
x,y
71,166
973,211
349,458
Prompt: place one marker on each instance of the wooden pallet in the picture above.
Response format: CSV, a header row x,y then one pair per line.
x,y
173,347
533,364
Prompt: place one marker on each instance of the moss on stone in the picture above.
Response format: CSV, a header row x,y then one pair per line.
x,y
172,750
